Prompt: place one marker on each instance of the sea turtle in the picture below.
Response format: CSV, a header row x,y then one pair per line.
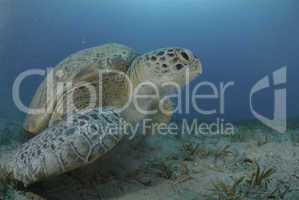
x,y
72,137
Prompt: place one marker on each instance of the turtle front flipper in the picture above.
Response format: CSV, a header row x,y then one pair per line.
x,y
78,140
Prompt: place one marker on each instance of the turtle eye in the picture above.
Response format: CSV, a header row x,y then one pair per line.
x,y
185,55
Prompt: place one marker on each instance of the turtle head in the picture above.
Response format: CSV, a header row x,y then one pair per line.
x,y
176,65
160,73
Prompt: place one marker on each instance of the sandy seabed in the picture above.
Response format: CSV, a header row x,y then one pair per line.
x,y
255,163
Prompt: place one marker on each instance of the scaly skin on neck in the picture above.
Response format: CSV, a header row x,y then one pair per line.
x,y
138,107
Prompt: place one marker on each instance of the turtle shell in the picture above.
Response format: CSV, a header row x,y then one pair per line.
x,y
78,68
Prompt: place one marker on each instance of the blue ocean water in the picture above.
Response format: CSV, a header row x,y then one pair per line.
x,y
240,41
